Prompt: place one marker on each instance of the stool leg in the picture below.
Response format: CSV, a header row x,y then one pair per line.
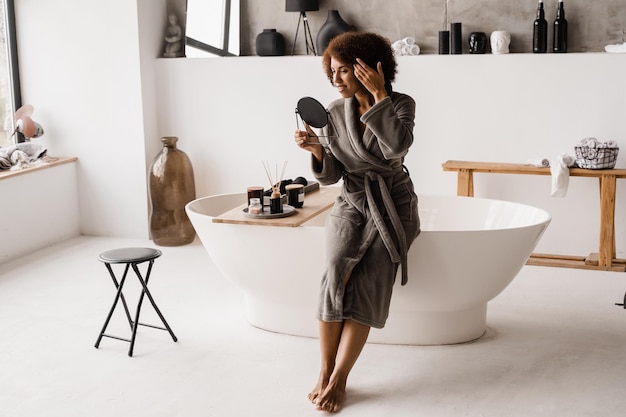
x,y
118,295
167,327
146,291
136,322
126,309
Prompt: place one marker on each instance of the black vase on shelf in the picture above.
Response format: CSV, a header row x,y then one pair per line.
x,y
333,26
270,43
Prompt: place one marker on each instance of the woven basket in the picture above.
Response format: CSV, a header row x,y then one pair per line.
x,y
596,158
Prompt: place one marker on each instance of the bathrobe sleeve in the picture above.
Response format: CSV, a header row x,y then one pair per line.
x,y
330,170
392,123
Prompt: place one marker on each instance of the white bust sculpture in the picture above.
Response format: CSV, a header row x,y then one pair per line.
x,y
500,41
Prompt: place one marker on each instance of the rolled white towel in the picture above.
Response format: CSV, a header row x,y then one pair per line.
x,y
590,142
408,40
611,144
540,162
397,45
410,50
619,48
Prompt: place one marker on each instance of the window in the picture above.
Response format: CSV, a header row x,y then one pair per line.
x,y
10,97
212,28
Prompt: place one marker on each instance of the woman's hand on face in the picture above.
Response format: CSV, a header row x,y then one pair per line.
x,y
373,80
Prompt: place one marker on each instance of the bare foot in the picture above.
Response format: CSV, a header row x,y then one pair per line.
x,y
333,397
319,388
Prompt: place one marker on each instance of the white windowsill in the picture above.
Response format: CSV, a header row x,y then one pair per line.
x,y
49,161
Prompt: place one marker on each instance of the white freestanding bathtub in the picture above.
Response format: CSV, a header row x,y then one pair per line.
x,y
469,250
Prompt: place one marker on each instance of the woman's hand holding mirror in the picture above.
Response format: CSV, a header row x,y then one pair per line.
x,y
308,140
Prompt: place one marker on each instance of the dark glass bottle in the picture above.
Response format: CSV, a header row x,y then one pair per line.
x,y
540,30
172,186
560,30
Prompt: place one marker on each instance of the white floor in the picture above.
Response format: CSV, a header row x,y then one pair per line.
x,y
556,346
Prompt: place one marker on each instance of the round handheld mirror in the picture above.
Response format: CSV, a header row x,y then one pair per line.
x,y
312,112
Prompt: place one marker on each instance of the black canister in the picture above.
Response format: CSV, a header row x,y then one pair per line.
x,y
270,43
456,38
295,195
444,42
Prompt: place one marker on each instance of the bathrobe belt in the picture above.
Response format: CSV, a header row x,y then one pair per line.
x,y
396,254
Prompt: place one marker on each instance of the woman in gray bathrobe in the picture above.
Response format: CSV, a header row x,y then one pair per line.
x,y
374,219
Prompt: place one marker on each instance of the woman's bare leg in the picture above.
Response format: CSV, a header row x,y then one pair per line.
x,y
351,341
330,334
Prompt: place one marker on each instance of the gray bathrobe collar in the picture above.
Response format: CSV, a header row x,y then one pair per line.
x,y
362,146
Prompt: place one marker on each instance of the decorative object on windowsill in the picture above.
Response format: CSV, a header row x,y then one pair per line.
x,y
456,38
303,6
333,26
270,43
22,155
444,42
405,46
593,154
560,30
175,31
540,31
172,186
477,43
25,125
500,41
616,49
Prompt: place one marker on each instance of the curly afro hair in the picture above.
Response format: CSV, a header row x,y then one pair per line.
x,y
370,47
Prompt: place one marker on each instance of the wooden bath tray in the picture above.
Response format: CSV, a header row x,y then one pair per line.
x,y
315,203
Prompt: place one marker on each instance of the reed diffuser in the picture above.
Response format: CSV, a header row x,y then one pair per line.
x,y
276,200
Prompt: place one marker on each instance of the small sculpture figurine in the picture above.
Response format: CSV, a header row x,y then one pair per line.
x,y
500,41
173,38
477,43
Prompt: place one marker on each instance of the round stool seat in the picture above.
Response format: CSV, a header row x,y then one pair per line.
x,y
126,255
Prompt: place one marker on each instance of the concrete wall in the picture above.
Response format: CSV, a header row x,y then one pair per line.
x,y
592,24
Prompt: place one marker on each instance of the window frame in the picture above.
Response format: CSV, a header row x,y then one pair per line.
x,y
224,50
13,64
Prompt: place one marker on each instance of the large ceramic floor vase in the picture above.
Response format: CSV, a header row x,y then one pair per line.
x,y
172,186
333,26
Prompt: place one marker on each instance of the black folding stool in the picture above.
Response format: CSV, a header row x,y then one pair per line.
x,y
131,257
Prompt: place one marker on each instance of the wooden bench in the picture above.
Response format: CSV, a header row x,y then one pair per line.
x,y
605,258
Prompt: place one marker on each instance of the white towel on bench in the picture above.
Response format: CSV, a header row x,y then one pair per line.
x,y
559,168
